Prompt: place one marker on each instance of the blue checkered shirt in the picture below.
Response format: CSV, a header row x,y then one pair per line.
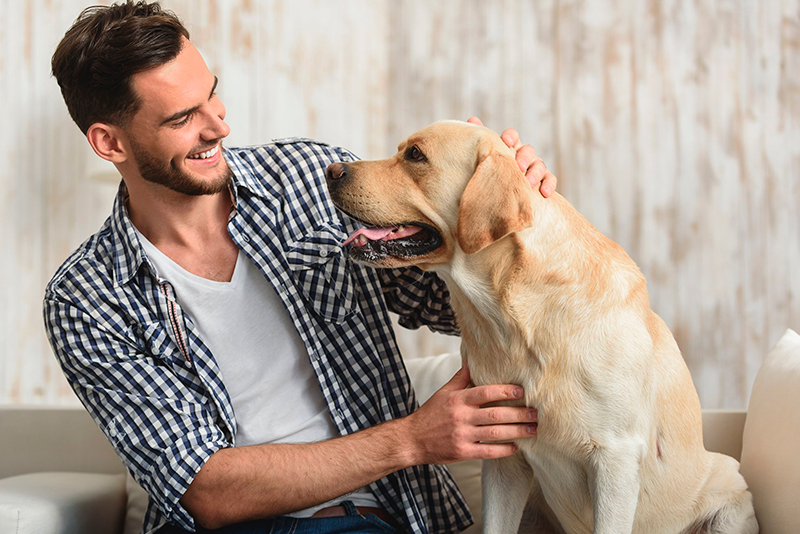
x,y
138,365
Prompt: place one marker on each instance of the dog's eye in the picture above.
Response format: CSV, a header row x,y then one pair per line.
x,y
415,154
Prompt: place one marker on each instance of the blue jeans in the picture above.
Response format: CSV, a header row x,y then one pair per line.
x,y
352,522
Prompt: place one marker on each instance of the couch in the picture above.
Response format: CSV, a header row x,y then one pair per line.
x,y
59,475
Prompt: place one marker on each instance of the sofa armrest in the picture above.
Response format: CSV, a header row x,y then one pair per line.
x,y
56,439
62,503
723,430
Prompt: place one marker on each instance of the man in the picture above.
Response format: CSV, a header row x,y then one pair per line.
x,y
244,371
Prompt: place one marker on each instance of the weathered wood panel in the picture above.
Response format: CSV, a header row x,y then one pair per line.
x,y
673,126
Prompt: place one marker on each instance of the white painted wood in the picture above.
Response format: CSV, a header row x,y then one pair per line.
x,y
674,127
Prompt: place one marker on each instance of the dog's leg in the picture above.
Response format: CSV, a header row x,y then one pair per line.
x,y
506,486
727,505
614,486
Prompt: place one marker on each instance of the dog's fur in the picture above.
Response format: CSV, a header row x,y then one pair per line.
x,y
546,301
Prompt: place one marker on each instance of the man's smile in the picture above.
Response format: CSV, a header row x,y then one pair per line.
x,y
207,154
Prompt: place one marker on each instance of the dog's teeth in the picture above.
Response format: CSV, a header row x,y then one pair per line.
x,y
400,228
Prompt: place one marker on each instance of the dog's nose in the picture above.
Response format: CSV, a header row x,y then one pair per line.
x,y
336,171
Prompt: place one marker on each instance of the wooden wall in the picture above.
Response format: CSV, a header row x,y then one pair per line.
x,y
673,126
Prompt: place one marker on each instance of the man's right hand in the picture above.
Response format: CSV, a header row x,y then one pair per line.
x,y
243,483
456,424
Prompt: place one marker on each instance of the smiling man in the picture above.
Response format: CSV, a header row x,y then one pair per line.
x,y
245,372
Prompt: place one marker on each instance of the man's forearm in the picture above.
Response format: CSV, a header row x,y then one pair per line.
x,y
245,483
457,423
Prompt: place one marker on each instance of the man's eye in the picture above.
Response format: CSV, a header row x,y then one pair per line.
x,y
415,154
182,122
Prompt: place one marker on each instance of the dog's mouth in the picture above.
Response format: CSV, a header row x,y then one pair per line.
x,y
408,240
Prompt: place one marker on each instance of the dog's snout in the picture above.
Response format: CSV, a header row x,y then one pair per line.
x,y
336,172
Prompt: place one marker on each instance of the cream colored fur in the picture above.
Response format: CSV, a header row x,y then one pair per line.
x,y
545,301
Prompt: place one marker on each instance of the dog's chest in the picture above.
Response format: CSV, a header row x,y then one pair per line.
x,y
559,452
558,394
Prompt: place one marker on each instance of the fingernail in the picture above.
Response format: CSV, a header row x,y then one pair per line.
x,y
532,415
517,392
523,164
532,429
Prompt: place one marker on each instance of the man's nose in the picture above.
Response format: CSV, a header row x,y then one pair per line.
x,y
216,127
219,127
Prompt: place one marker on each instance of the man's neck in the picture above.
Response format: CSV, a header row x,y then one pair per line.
x,y
190,230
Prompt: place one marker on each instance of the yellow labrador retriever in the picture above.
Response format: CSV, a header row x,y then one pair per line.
x,y
546,301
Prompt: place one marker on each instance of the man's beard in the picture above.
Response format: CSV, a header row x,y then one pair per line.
x,y
168,175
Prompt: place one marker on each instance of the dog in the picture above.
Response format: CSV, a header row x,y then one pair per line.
x,y
544,300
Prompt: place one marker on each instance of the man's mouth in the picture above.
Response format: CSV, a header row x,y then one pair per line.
x,y
408,240
210,153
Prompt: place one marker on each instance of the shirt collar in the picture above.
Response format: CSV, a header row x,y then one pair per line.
x,y
243,175
128,252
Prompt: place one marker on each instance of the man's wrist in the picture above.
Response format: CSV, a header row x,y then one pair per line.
x,y
400,443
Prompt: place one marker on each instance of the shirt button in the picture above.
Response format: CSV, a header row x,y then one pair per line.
x,y
323,253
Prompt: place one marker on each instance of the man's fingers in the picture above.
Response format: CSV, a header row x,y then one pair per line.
x,y
536,172
511,138
503,415
538,176
549,183
493,451
481,395
498,433
532,165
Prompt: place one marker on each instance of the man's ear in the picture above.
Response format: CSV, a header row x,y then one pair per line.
x,y
495,203
105,140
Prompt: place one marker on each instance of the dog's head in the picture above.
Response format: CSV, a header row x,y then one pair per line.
x,y
451,185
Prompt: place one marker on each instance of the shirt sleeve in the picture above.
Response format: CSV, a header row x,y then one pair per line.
x,y
160,429
419,298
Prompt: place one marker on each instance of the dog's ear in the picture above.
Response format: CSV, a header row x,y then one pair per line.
x,y
495,203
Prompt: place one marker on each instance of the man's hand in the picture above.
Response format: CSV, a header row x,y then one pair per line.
x,y
454,424
532,165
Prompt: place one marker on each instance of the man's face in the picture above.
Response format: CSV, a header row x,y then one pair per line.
x,y
176,136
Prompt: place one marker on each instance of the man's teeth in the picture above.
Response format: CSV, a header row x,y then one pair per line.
x,y
205,155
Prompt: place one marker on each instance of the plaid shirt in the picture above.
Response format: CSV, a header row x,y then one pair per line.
x,y
137,364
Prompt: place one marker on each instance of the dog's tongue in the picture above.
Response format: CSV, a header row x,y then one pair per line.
x,y
386,234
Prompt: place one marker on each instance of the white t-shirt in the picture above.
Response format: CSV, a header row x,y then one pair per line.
x,y
264,364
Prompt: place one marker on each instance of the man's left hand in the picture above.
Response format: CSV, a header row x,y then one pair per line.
x,y
531,164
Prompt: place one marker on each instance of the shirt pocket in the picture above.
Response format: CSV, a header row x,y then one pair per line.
x,y
321,272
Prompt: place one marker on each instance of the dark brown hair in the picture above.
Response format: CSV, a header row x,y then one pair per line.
x,y
103,49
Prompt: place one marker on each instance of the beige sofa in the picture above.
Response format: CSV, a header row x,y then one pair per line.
x,y
59,475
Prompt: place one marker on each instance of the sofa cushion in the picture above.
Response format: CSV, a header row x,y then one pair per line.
x,y
137,506
62,503
771,440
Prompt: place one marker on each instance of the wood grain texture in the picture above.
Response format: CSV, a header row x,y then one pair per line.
x,y
673,126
